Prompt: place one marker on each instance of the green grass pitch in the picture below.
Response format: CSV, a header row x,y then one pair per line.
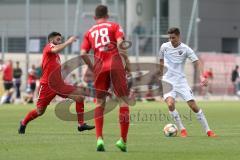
x,y
49,138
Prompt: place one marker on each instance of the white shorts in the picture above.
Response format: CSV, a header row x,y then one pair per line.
x,y
182,90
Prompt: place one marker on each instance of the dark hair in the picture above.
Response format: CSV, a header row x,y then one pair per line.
x,y
237,66
53,34
101,11
174,30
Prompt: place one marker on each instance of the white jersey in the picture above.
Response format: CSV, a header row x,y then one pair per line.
x,y
174,60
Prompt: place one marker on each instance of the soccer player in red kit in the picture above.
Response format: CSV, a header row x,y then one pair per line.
x,y
104,38
51,66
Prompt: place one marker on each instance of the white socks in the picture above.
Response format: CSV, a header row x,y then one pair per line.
x,y
200,117
175,115
203,121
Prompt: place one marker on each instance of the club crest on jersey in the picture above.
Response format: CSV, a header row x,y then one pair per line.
x,y
191,91
180,52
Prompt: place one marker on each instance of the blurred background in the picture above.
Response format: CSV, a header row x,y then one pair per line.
x,y
210,28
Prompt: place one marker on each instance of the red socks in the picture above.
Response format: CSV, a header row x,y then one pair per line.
x,y
98,116
30,116
124,121
80,112
79,109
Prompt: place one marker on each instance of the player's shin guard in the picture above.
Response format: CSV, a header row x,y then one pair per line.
x,y
98,116
29,117
176,117
124,121
203,121
80,112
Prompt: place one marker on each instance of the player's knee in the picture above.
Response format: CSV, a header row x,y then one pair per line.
x,y
79,99
171,107
171,104
40,112
123,104
192,104
76,98
100,102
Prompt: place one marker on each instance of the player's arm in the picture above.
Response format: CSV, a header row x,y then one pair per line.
x,y
86,59
60,47
119,36
124,54
199,67
85,48
161,61
161,67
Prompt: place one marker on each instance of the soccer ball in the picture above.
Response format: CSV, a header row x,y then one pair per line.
x,y
170,130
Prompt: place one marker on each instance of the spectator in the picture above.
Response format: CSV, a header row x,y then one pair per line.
x,y
74,80
17,74
38,71
149,95
139,32
139,29
88,76
138,80
65,70
31,84
7,81
1,77
38,76
234,78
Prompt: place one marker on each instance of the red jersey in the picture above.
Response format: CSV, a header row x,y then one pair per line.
x,y
102,38
31,77
50,63
7,73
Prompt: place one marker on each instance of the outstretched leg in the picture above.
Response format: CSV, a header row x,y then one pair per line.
x,y
33,114
201,118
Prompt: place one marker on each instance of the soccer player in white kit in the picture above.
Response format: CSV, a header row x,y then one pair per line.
x,y
173,55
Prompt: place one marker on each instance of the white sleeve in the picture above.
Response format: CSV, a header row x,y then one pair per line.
x,y
161,52
191,55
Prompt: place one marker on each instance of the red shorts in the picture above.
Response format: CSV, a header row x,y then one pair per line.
x,y
115,78
46,94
